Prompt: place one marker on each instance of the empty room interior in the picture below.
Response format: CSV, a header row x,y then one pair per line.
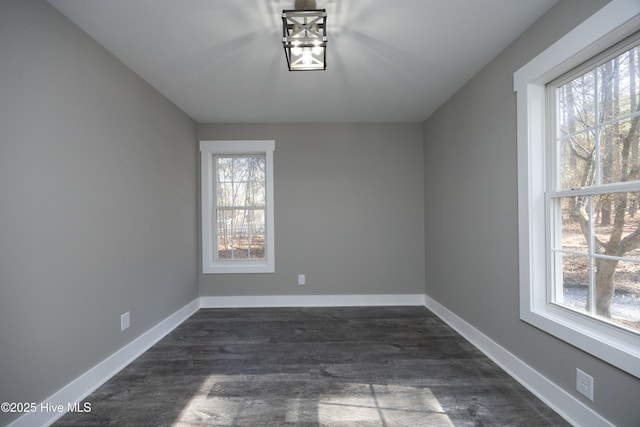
x,y
216,212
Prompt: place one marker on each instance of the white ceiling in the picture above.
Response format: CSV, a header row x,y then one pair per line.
x,y
223,61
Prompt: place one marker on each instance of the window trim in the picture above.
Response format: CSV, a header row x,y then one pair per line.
x,y
208,150
608,26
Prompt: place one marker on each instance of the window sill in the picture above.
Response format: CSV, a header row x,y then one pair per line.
x,y
235,267
607,342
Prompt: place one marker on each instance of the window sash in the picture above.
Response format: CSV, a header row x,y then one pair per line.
x,y
236,186
556,137
558,254
233,234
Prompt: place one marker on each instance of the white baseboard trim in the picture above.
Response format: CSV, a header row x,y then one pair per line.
x,y
566,405
311,301
81,387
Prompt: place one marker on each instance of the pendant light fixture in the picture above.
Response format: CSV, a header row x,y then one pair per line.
x,y
304,36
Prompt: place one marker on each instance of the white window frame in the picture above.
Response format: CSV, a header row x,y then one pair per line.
x,y
608,26
208,151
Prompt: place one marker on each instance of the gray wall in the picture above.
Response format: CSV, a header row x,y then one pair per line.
x,y
98,208
349,209
97,203
471,219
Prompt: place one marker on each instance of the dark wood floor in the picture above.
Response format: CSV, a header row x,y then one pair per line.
x,y
364,366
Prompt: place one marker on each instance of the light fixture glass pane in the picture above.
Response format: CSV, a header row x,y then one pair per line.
x,y
308,58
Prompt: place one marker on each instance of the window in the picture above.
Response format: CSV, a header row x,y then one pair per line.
x,y
594,184
237,206
578,187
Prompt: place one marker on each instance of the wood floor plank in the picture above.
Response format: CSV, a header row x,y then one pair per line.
x,y
348,366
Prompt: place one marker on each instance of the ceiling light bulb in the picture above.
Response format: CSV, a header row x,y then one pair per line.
x,y
296,49
307,56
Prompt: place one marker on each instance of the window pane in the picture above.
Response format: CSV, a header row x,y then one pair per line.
x,y
258,169
629,87
224,169
226,188
575,273
225,234
240,181
625,304
577,168
619,152
576,104
616,223
615,282
600,102
574,238
621,295
241,233
256,238
575,281
257,193
618,85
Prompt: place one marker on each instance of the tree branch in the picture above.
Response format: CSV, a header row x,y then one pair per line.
x,y
630,242
588,153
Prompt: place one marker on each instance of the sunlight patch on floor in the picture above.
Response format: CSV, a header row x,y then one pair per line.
x,y
383,404
354,403
201,408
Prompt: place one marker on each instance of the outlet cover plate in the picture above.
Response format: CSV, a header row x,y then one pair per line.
x,y
584,384
124,321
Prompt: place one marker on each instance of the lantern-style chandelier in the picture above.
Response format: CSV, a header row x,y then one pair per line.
x,y
304,36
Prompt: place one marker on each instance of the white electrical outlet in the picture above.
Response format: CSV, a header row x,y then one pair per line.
x,y
302,280
584,384
124,321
